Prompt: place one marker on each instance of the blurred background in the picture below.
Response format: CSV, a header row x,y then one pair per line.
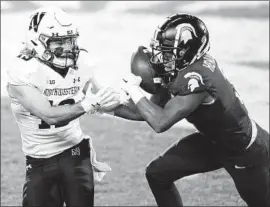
x,y
111,31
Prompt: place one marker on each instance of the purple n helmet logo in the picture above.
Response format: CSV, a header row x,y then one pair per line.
x,y
35,21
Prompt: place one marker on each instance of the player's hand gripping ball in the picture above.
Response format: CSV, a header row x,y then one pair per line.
x,y
141,66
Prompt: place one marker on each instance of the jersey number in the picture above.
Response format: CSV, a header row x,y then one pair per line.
x,y
209,63
44,125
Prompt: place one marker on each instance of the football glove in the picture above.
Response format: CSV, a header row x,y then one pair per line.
x,y
131,85
93,103
121,98
130,80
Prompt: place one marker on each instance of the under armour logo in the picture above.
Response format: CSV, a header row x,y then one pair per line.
x,y
28,167
75,151
55,34
76,80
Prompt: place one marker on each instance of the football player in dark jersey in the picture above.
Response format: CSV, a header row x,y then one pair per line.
x,y
194,87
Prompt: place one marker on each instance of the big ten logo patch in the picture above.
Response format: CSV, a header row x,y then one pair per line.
x,y
76,151
51,82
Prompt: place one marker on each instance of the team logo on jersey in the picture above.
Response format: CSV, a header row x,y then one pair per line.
x,y
195,80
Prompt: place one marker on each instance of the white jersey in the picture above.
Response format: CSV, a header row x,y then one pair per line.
x,y
39,139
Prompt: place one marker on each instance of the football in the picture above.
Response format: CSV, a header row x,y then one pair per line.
x,y
141,66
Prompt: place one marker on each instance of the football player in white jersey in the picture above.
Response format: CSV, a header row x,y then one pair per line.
x,y
47,90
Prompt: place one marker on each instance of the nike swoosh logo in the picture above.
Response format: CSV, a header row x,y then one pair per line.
x,y
239,167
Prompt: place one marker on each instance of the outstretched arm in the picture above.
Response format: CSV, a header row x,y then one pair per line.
x,y
126,112
161,119
130,111
178,108
38,104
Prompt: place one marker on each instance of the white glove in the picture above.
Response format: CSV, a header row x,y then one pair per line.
x,y
130,80
120,98
123,96
131,84
94,102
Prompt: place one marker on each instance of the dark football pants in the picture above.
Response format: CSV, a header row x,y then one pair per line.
x,y
67,177
196,154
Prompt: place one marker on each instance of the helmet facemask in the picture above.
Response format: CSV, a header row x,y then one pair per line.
x,y
174,54
61,52
177,43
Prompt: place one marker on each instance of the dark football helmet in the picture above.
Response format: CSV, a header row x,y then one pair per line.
x,y
177,43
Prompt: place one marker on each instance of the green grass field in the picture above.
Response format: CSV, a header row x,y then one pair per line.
x,y
128,147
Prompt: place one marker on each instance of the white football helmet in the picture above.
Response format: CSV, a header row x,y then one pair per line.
x,y
52,26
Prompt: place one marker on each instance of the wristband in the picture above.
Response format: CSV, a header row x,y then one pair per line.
x,y
136,94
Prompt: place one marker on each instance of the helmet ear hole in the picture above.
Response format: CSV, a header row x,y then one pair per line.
x,y
182,52
47,55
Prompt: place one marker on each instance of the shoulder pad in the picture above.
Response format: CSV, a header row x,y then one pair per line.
x,y
23,72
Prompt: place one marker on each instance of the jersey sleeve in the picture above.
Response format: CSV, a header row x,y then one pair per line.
x,y
193,82
196,78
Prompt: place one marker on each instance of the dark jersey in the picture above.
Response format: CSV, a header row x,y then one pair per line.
x,y
226,119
